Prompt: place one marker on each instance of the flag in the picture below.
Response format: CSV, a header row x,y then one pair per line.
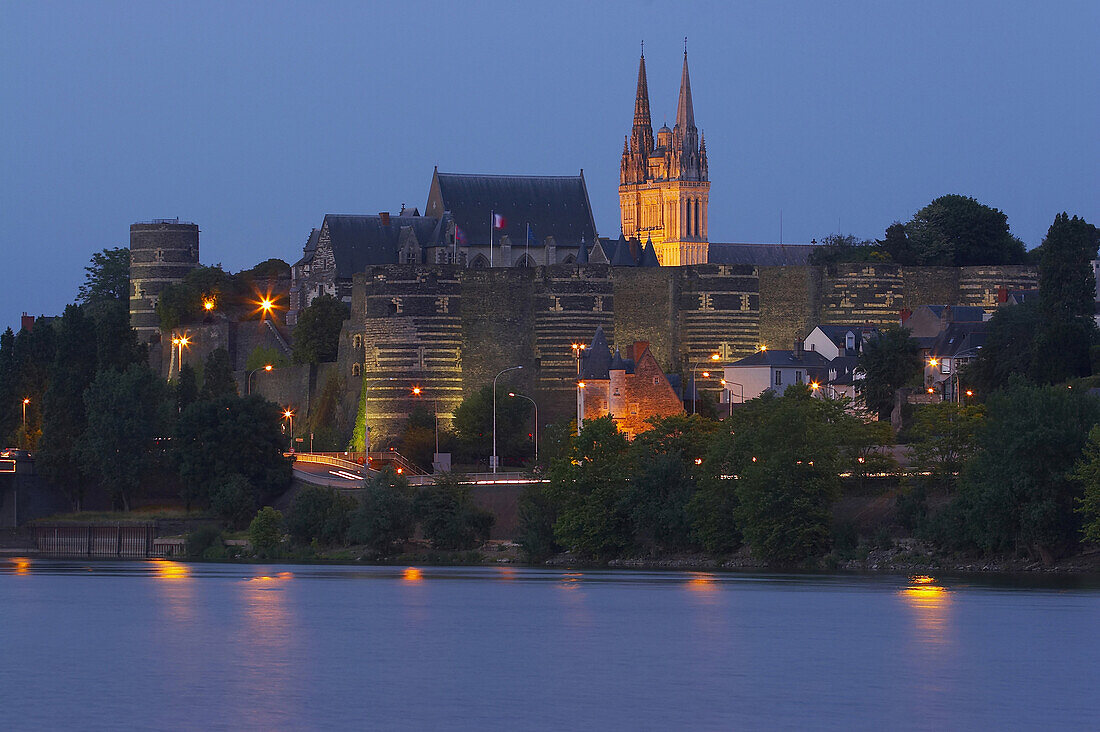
x,y
532,241
499,222
460,236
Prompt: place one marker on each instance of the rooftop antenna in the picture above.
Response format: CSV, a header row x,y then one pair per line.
x,y
685,45
643,48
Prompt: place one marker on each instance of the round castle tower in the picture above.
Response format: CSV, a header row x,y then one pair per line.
x,y
162,252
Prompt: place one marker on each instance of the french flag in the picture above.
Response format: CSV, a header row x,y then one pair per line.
x,y
499,222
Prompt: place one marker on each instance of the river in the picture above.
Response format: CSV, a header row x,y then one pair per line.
x,y
168,645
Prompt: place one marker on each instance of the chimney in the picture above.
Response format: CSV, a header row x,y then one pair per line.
x,y
798,348
639,349
385,216
1002,294
905,314
27,322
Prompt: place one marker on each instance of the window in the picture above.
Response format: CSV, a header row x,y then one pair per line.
x,y
357,341
355,369
778,377
656,380
634,407
798,377
945,366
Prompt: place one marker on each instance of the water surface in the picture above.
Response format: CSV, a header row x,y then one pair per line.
x,y
167,645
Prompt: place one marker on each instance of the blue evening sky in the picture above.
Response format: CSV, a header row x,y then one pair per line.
x,y
255,119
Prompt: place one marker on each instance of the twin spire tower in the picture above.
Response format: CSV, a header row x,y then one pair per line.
x,y
664,188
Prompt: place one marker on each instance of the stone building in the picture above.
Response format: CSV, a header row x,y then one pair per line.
x,y
664,186
630,388
162,252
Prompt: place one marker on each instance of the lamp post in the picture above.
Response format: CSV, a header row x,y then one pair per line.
x,y
25,403
694,385
580,406
289,414
179,341
729,391
265,367
496,458
578,351
522,396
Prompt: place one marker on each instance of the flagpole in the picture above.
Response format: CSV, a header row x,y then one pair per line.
x,y
528,254
492,220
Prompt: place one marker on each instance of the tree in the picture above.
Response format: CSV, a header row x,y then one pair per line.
x,y
588,487
217,376
787,468
107,278
116,343
126,413
896,245
8,382
327,422
181,302
957,231
234,499
887,363
317,334
227,436
837,248
1010,349
1067,291
264,531
63,415
319,514
187,388
448,517
32,356
943,437
384,516
1018,493
417,440
473,424
1087,474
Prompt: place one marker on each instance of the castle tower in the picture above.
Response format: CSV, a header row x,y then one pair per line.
x,y
664,189
162,252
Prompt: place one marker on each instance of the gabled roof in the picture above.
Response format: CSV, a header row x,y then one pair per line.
x,y
360,241
649,256
807,359
960,340
959,313
838,333
841,370
596,359
760,255
310,248
554,206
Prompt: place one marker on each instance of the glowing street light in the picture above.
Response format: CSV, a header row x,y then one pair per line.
x,y
25,403
289,414
933,362
580,405
180,342
695,386
265,367
208,304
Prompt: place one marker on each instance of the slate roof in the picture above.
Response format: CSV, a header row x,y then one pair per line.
x,y
960,340
760,255
959,313
554,206
786,359
310,248
596,359
838,333
360,241
844,368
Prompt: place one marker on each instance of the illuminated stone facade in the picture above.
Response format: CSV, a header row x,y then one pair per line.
x,y
664,188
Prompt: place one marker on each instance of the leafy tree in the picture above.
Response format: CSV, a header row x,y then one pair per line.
x,y
8,383
887,363
417,440
217,379
32,356
384,516
537,516
473,424
1018,493
1087,473
837,248
1067,290
116,343
863,443
317,334
182,302
788,482
319,514
126,413
262,356
264,531
63,416
187,388
589,487
231,435
943,437
957,231
327,423
448,517
269,269
896,245
107,278
234,499
1009,348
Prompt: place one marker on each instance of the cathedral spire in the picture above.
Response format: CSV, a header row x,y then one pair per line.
x,y
685,114
642,134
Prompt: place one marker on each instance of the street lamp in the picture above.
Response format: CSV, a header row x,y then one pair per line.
x,y
265,367
181,342
580,406
728,384
25,403
578,349
522,396
694,386
496,459
288,414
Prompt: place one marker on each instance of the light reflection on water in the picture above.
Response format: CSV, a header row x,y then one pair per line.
x,y
270,647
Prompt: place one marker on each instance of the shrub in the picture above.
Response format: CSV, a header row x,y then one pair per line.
x,y
321,514
448,517
264,531
232,500
201,539
384,516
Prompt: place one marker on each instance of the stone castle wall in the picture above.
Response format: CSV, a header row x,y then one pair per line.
x,y
161,254
449,330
